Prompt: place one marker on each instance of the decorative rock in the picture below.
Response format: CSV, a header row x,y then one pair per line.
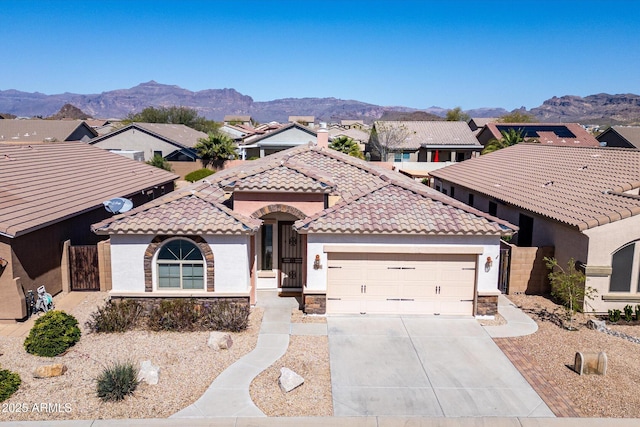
x,y
220,340
48,371
289,380
598,325
148,373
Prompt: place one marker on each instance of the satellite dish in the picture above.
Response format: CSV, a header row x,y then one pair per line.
x,y
118,205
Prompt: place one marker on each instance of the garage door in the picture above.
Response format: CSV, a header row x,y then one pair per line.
x,y
381,283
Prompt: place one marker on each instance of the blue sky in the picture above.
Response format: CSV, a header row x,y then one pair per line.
x,y
395,53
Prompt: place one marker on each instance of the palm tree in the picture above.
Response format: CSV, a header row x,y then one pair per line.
x,y
160,162
346,145
509,138
215,150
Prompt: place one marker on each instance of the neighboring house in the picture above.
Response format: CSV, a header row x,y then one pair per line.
x,y
583,202
173,142
276,139
565,134
345,235
50,195
425,141
621,136
45,131
477,123
237,120
358,135
308,121
354,124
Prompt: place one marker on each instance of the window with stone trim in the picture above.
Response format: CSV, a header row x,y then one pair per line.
x,y
180,265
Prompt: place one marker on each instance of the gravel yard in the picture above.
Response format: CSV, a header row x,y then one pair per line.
x,y
187,368
553,348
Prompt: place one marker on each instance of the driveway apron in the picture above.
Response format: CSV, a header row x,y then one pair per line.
x,y
424,366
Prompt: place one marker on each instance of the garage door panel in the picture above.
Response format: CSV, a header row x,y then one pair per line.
x,y
401,283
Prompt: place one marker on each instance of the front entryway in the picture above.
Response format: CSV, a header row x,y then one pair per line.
x,y
290,256
379,283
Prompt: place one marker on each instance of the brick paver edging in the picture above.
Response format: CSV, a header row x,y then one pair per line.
x,y
555,398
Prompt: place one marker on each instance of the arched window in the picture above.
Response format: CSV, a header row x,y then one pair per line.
x,y
624,277
180,265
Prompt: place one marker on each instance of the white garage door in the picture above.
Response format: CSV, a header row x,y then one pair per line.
x,y
400,283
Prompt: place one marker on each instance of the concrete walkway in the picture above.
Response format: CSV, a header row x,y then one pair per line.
x,y
228,395
518,323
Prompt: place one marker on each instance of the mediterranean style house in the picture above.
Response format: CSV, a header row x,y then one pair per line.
x,y
345,235
583,202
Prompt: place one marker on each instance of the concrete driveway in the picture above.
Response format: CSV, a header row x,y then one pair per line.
x,y
424,366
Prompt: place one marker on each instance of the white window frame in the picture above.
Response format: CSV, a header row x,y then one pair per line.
x,y
156,263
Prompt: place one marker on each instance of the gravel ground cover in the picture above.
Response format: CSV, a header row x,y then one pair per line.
x,y
187,368
553,348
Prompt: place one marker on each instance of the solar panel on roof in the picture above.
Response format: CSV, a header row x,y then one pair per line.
x,y
531,131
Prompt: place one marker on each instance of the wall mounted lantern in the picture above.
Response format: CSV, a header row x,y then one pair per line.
x,y
488,264
316,263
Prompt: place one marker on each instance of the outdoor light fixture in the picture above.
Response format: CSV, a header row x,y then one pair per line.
x,y
3,262
488,264
316,263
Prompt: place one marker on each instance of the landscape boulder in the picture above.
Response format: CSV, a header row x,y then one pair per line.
x,y
48,371
149,373
220,340
289,380
598,325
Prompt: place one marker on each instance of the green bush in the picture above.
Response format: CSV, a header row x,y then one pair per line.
x,y
198,174
628,313
638,312
9,384
614,315
225,316
52,334
115,316
174,315
117,381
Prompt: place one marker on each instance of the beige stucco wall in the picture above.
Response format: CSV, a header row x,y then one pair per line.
x,y
606,240
247,203
133,139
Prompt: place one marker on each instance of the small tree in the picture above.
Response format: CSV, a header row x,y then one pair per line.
x,y
387,137
216,149
457,115
568,286
159,162
517,116
346,145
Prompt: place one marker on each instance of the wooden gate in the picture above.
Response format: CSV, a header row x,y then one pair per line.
x,y
504,270
83,264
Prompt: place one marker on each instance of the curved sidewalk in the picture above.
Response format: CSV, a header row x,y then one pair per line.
x,y
518,323
228,395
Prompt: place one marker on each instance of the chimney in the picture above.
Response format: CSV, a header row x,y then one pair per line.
x,y
323,136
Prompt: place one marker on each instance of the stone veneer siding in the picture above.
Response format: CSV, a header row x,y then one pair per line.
x,y
157,242
487,305
278,208
315,304
151,302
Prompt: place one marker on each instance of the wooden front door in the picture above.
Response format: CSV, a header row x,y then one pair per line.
x,y
289,256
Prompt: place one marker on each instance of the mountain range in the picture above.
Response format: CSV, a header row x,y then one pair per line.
x,y
216,103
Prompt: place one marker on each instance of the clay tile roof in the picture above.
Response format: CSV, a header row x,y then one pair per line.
x,y
289,178
397,210
433,134
186,212
179,135
567,134
42,130
47,183
580,186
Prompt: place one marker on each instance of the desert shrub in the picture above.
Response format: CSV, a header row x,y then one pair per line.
x,y
225,316
115,316
175,315
9,384
628,313
52,334
198,174
614,315
117,381
638,312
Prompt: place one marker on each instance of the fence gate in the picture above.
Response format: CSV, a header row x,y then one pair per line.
x,y
83,263
503,272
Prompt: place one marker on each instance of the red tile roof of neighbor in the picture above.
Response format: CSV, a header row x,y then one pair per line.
x,y
566,134
579,186
46,183
373,200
